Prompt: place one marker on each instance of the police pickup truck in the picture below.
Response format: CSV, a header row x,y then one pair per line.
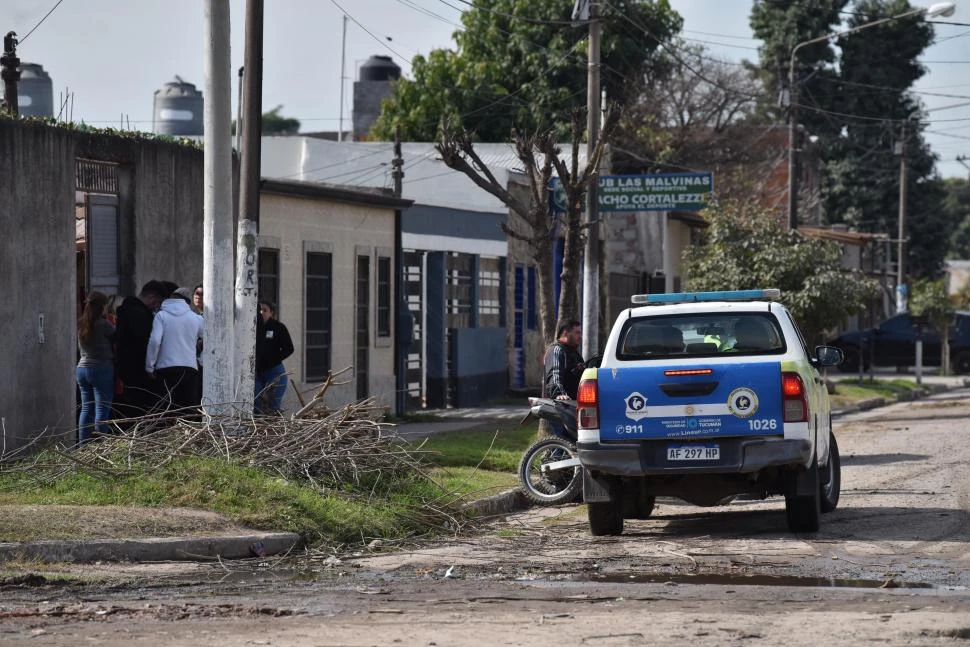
x,y
706,397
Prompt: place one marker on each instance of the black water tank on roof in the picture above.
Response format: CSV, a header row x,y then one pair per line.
x,y
35,91
379,68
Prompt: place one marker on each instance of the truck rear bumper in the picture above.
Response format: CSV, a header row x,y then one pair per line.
x,y
737,455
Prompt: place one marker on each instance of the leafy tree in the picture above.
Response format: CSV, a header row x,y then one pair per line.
x,y
881,118
857,105
747,247
781,25
930,299
273,123
523,63
956,211
696,113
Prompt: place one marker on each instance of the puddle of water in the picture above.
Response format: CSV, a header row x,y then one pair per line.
x,y
746,580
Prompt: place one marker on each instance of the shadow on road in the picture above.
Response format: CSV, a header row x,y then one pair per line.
x,y
881,459
868,523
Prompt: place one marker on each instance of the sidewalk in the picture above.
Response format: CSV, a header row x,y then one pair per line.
x,y
255,544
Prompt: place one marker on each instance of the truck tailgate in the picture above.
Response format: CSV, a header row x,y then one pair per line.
x,y
702,401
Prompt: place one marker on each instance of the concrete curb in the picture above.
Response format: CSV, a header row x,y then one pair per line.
x,y
504,503
152,549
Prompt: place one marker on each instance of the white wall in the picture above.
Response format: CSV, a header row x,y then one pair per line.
x,y
345,230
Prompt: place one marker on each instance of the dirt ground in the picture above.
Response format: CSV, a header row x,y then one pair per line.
x,y
891,565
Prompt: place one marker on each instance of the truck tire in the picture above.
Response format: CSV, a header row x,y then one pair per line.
x,y
829,492
606,517
804,512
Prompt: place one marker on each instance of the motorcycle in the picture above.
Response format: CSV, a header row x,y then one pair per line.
x,y
549,471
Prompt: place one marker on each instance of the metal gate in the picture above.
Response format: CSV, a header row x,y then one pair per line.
x,y
414,293
98,181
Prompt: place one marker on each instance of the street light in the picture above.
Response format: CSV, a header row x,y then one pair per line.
x,y
939,9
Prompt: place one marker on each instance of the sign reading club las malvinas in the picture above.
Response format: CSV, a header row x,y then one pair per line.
x,y
657,192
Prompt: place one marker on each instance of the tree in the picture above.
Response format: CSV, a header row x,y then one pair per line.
x,y
539,155
930,299
880,121
748,248
273,123
781,25
697,113
860,108
523,63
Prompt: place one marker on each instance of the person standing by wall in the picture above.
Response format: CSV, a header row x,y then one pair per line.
x,y
134,327
95,369
273,345
171,352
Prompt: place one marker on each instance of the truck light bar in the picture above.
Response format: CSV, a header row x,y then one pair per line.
x,y
694,297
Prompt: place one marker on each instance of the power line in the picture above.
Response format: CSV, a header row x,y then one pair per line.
x,y
58,4
369,33
534,21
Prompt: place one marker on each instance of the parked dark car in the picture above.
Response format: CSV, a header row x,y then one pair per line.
x,y
893,343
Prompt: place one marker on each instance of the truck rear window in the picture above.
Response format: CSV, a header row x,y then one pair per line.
x,y
701,335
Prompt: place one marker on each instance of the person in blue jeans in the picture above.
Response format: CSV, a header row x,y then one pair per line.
x,y
95,369
273,345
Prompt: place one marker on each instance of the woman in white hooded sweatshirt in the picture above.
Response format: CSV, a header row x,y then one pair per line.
x,y
171,354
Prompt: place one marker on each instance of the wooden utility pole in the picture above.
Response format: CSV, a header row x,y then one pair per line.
x,y
10,73
247,245
591,274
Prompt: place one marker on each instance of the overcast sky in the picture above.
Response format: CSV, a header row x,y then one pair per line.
x,y
113,54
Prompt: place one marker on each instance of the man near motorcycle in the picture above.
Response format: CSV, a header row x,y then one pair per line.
x,y
562,362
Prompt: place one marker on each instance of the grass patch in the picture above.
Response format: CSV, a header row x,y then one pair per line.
x,y
852,391
497,446
246,495
473,483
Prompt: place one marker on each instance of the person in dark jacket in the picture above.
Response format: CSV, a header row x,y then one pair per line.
x,y
563,364
273,345
134,327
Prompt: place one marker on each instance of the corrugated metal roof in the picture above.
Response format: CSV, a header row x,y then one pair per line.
x,y
427,180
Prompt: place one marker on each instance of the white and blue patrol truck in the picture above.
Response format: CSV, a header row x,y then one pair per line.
x,y
705,397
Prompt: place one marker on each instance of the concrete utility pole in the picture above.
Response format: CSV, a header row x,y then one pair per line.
x,y
217,382
591,274
10,73
901,292
247,247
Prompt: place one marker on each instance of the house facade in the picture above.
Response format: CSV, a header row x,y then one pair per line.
x,y
328,259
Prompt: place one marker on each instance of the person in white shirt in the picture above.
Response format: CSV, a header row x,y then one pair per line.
x,y
171,354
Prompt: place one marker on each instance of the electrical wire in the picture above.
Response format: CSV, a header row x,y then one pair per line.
x,y
369,33
58,4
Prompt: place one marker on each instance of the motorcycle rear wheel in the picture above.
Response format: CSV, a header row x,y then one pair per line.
x,y
550,488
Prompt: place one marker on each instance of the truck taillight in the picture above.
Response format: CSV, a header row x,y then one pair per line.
x,y
795,404
587,405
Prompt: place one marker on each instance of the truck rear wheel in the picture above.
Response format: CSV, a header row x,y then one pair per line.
x,y
606,517
804,512
830,490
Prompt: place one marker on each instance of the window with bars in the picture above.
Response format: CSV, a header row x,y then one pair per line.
x,y
489,292
383,296
458,306
268,265
318,324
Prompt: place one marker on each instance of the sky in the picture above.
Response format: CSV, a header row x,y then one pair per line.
x,y
111,55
